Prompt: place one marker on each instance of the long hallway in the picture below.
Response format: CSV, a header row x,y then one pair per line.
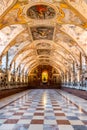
x,y
43,109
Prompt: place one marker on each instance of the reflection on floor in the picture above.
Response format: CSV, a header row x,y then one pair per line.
x,y
44,110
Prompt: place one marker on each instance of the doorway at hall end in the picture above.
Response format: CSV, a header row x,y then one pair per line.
x,y
44,77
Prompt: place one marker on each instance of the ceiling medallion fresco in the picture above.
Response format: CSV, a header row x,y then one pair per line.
x,y
41,12
42,33
43,45
43,51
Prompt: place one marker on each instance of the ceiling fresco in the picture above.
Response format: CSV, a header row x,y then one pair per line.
x,y
38,32
70,17
41,12
43,51
42,33
44,60
43,45
4,4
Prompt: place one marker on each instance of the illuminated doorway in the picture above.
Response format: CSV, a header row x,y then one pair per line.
x,y
44,77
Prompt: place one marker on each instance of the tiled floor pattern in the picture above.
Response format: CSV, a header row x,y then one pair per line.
x,y
42,110
81,103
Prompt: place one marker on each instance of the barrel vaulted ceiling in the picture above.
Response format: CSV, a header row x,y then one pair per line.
x,y
39,32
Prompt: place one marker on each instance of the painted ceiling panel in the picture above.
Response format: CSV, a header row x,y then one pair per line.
x,y
24,62
71,17
43,45
21,56
14,50
79,34
20,41
43,51
4,4
27,59
29,64
41,11
42,33
80,6
7,34
68,49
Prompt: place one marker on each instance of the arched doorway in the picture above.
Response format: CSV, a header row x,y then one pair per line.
x,y
44,76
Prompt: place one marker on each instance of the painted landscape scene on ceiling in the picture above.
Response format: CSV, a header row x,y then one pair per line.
x,y
43,51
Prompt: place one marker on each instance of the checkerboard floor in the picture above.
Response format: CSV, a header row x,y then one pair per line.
x,y
44,110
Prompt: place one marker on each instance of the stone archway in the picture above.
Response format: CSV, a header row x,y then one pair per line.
x,y
53,78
